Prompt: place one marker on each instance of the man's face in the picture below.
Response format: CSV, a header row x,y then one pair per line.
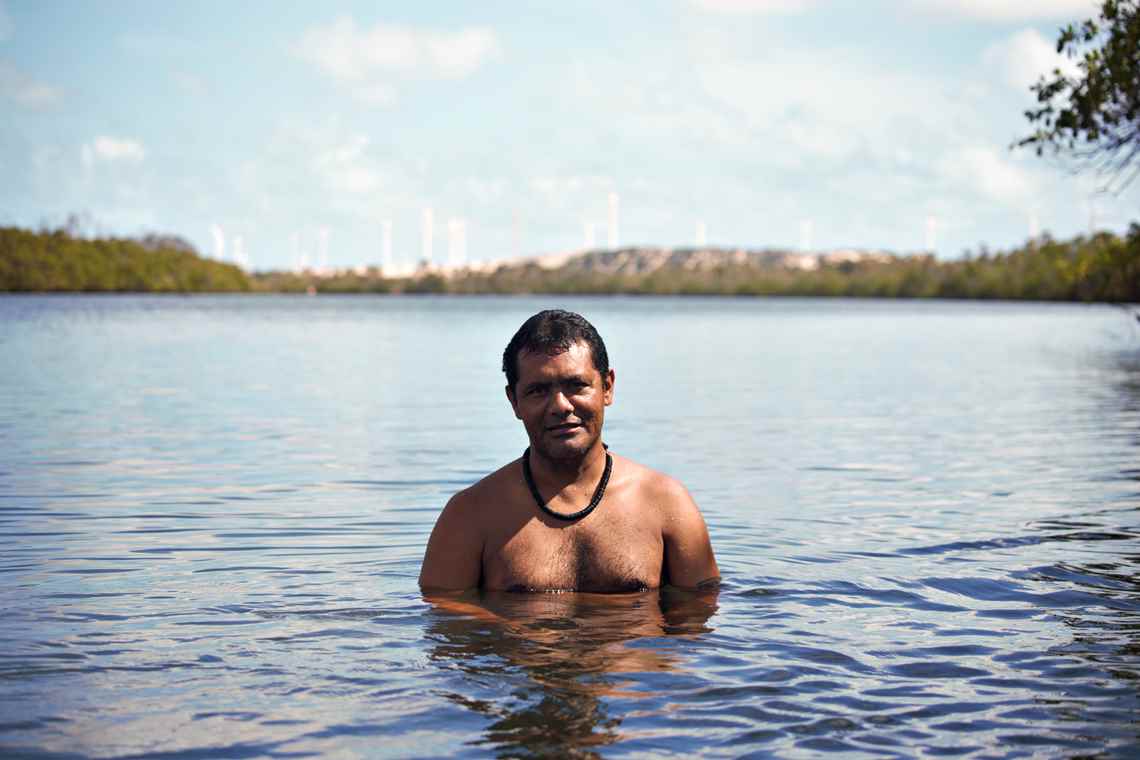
x,y
561,400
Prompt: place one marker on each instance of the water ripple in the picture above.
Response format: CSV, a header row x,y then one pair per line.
x,y
214,511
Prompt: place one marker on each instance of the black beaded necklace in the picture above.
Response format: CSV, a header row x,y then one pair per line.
x,y
599,492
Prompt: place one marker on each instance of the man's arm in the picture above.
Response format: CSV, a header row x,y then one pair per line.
x,y
689,560
454,557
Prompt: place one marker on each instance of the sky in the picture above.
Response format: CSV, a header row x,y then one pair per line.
x,y
279,134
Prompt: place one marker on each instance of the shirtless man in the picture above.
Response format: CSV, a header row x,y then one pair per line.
x,y
568,515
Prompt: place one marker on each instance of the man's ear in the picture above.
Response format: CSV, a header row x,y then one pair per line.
x,y
608,386
513,399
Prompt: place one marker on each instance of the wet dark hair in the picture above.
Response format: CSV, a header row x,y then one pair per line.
x,y
551,332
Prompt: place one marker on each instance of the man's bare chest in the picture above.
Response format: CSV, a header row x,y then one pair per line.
x,y
599,555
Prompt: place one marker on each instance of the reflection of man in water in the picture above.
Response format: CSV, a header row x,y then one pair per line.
x,y
542,668
567,515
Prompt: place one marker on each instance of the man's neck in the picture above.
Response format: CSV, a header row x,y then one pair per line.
x,y
563,472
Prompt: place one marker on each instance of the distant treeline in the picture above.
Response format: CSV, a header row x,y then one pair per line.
x,y
371,281
56,260
1101,267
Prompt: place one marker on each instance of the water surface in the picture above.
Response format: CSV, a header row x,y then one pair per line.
x,y
213,509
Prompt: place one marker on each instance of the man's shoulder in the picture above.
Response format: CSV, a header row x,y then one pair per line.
x,y
488,488
653,485
681,519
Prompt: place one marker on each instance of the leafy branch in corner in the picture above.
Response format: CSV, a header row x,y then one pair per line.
x,y
1094,117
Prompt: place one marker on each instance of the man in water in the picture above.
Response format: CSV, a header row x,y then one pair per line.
x,y
568,515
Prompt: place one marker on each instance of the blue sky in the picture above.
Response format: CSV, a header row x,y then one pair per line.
x,y
286,132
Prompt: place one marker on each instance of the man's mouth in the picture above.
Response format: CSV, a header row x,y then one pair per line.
x,y
565,427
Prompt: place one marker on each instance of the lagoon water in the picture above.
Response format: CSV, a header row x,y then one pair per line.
x,y
213,509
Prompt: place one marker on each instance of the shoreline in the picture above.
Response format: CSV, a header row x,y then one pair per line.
x,y
1100,268
1124,305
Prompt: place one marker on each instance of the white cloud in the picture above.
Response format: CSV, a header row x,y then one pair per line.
x,y
375,94
119,149
112,149
354,179
343,167
557,187
909,136
18,86
831,103
7,28
484,190
1011,10
459,55
368,59
986,171
753,6
1024,57
646,103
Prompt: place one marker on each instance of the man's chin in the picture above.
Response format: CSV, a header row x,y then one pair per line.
x,y
569,447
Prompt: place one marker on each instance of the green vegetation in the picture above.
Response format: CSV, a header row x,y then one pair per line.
x,y
58,261
342,282
371,280
1095,116
1101,267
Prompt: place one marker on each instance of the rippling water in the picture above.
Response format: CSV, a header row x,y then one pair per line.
x,y
212,512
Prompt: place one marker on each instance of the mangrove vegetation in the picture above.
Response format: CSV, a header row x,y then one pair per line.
x,y
56,260
1102,267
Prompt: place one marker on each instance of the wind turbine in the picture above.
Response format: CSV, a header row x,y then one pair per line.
x,y
219,242
614,221
323,249
386,251
426,232
931,233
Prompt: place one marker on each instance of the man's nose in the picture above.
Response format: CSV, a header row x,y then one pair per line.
x,y
560,404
